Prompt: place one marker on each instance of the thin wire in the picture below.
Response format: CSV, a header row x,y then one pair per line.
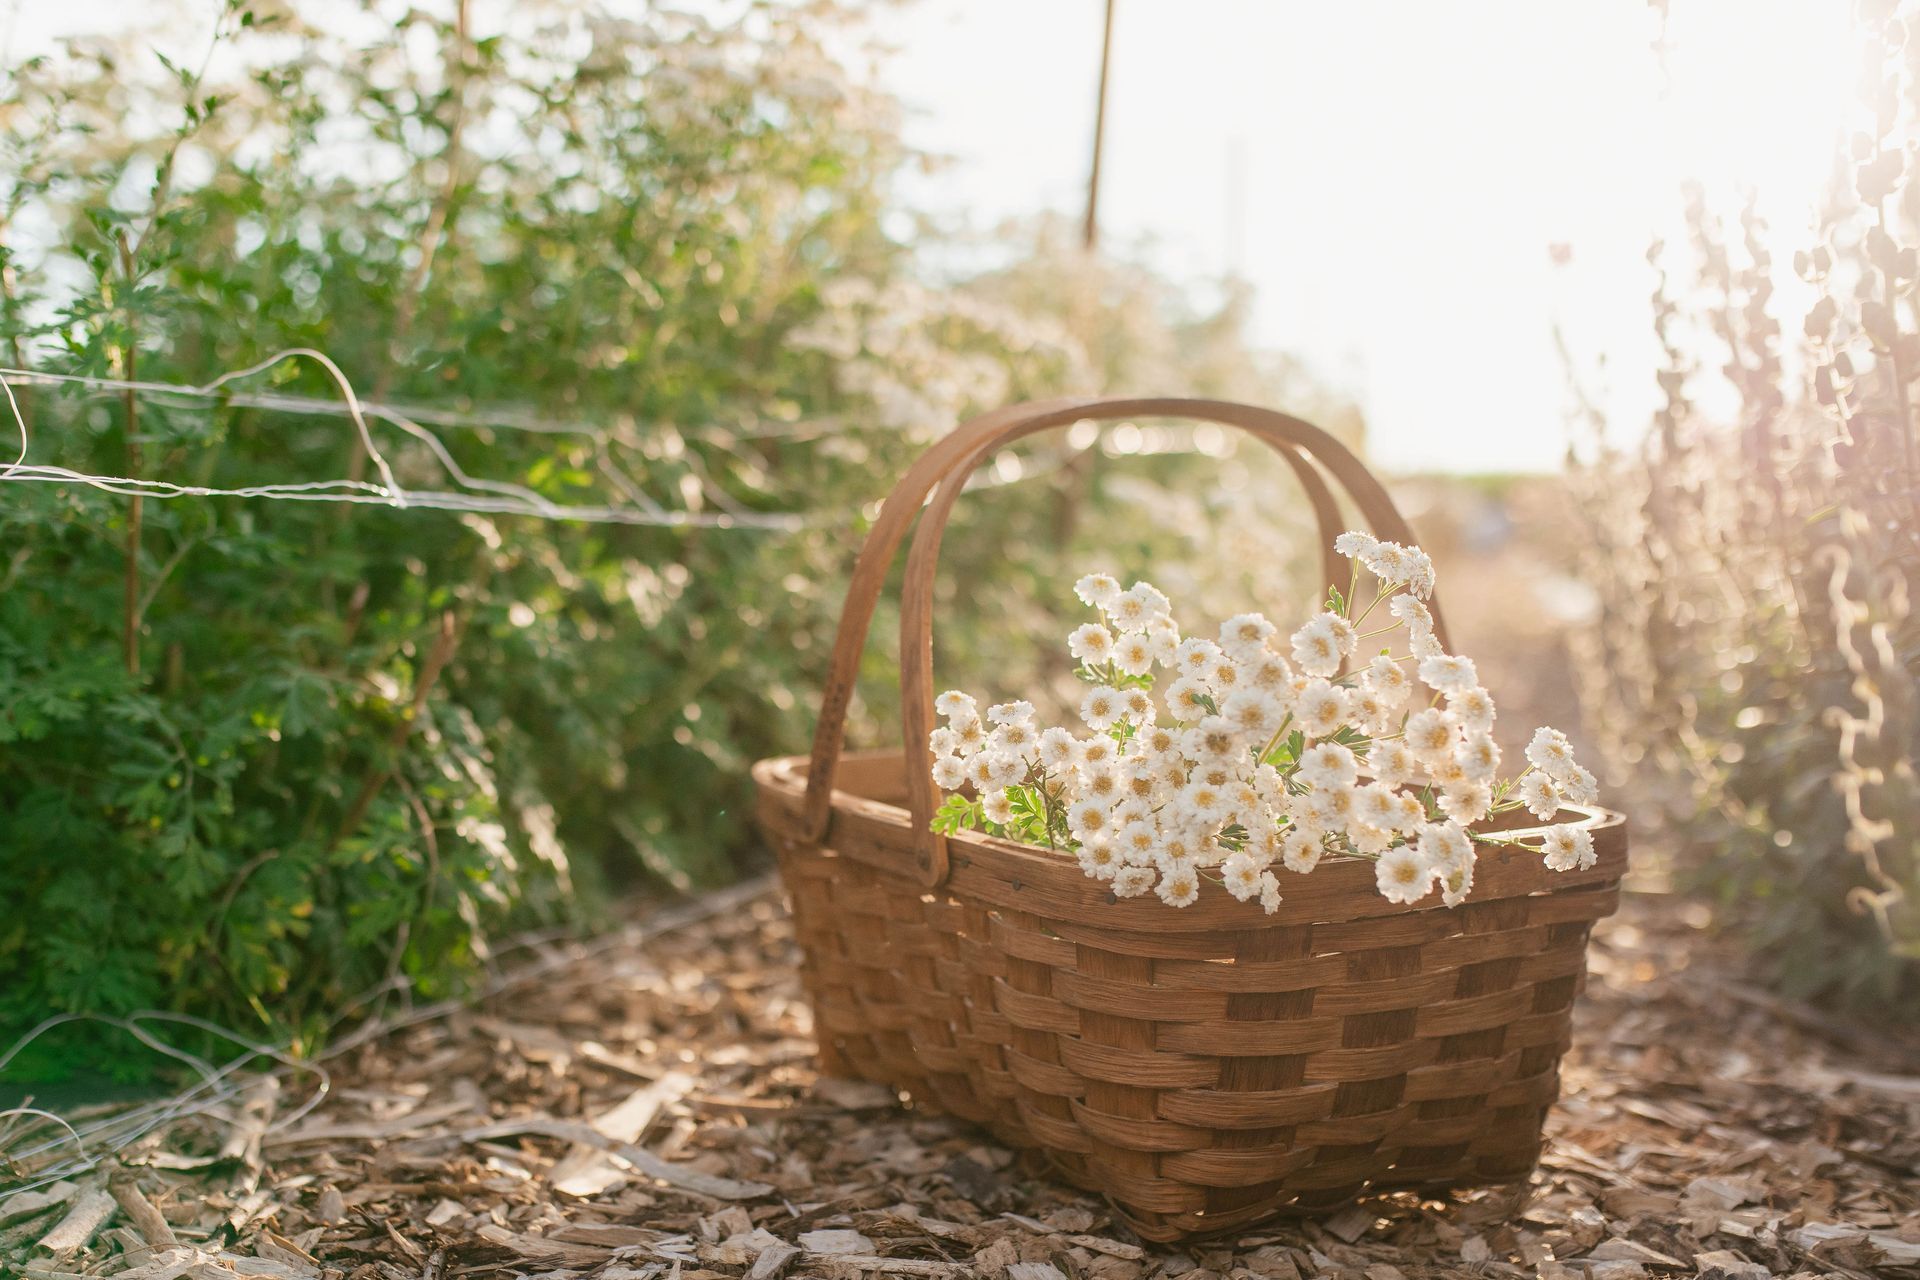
x,y
20,418
507,499
484,418
113,1133
72,1136
139,1122
362,493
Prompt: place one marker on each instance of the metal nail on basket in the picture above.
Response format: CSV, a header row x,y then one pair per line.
x,y
1202,1068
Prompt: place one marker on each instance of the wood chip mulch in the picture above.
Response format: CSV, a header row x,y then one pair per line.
x,y
649,1108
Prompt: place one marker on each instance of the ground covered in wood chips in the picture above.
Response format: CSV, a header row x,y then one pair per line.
x,y
647,1106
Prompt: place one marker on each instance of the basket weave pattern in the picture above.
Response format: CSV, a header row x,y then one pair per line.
x,y
1202,1079
1204,1067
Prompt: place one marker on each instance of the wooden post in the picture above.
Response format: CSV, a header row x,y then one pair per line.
x,y
1090,235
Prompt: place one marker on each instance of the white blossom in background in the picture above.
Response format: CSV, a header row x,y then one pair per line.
x,y
1258,753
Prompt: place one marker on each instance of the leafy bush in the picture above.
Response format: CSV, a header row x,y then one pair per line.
x,y
259,757
1757,642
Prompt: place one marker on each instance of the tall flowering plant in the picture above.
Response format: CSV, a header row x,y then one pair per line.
x,y
1254,757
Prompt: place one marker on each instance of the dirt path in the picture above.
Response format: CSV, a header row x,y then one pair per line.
x,y
1706,1128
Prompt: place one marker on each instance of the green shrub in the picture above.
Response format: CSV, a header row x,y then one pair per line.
x,y
328,748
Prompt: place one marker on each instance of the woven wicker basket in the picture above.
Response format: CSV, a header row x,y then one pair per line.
x,y
1205,1067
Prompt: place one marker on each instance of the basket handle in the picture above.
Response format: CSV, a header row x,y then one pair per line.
x,y
948,464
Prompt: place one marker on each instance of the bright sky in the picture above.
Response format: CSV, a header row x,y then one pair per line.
x,y
1388,174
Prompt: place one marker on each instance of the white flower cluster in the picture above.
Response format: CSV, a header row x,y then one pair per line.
x,y
1260,753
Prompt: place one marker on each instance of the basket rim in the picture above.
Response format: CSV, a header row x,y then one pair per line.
x,y
1049,883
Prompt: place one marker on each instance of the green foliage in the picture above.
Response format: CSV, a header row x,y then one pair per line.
x,y
352,744
1756,646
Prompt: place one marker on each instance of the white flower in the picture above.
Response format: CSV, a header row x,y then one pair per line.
x,y
1320,708
1368,839
1202,803
1101,707
1152,599
1392,762
1328,765
1550,751
1420,573
1430,735
1353,544
1403,875
1216,738
1445,844
1015,738
1448,674
1176,848
1419,623
1401,566
1091,643
1478,757
971,733
1215,771
1368,710
1133,654
1137,706
1088,819
1187,699
1580,786
949,773
1196,657
1319,646
1467,802
1058,750
1132,609
1155,740
1098,860
990,770
1268,671
1254,710
1389,680
1179,887
1412,812
1245,635
1269,892
1153,807
1100,784
1329,807
955,705
1473,708
1541,795
1097,751
1377,805
1163,639
1097,589
1300,849
1567,847
1136,841
1242,874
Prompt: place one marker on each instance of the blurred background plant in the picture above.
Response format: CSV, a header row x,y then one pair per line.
x,y
1752,664
261,758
